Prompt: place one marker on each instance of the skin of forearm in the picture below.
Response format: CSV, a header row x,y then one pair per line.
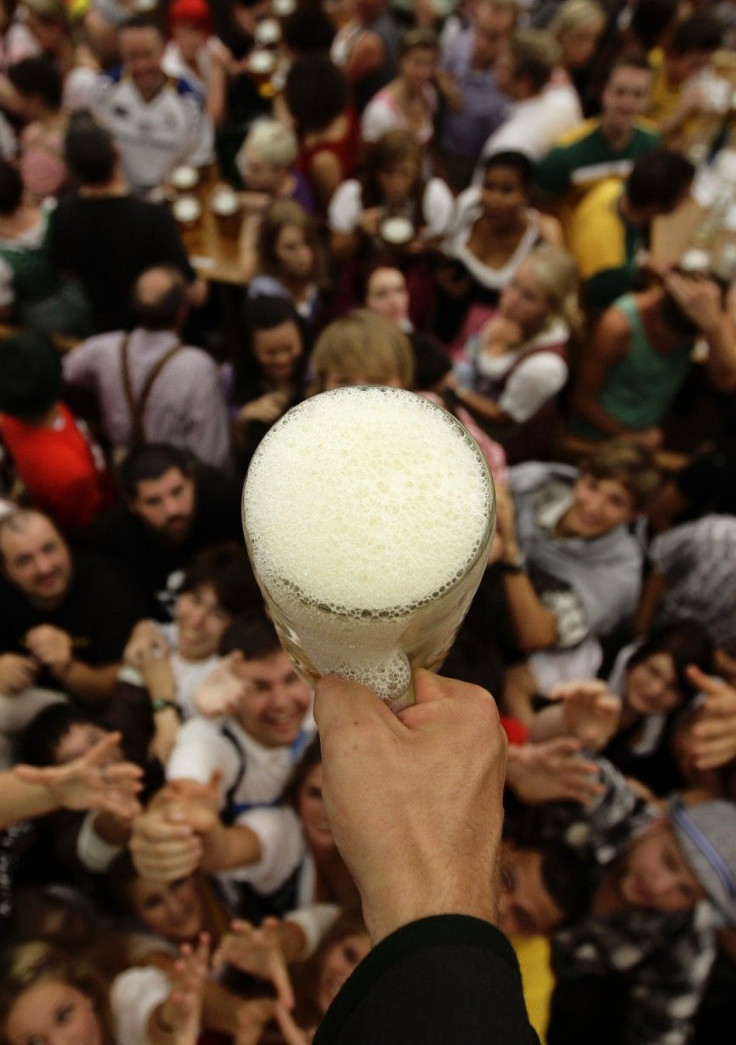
x,y
91,685
21,801
721,363
483,406
112,829
534,625
228,847
591,411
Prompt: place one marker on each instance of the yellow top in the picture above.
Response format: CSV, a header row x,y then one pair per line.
x,y
534,954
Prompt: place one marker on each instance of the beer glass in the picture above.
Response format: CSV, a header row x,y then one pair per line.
x,y
368,515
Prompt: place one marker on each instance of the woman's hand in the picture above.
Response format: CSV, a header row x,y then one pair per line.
x,y
591,712
552,772
714,735
182,1010
291,1031
145,641
222,690
91,781
500,335
268,408
257,951
370,220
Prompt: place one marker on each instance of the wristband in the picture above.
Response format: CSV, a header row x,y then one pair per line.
x,y
515,565
161,703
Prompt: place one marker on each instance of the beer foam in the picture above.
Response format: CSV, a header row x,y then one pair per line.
x,y
366,502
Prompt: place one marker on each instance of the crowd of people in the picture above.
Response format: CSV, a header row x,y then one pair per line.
x,y
456,198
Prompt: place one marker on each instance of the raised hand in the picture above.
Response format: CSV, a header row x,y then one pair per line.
x,y
552,772
91,781
221,691
257,951
182,1010
714,735
591,712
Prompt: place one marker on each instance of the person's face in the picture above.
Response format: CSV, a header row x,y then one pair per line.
x,y
418,67
53,1013
387,295
502,195
491,29
524,300
396,182
656,875
142,52
626,96
277,351
166,504
600,505
260,176
294,253
525,906
78,739
651,686
38,562
338,964
311,810
578,45
275,700
201,621
169,909
189,38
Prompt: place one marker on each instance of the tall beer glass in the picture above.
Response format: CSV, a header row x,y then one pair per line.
x,y
368,515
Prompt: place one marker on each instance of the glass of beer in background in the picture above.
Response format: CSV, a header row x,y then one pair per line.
x,y
368,514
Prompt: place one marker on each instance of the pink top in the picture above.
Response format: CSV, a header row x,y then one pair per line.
x,y
42,168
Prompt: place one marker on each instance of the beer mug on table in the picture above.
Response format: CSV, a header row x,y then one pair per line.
x,y
368,515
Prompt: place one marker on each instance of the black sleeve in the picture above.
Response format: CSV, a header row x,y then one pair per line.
x,y
709,480
445,979
169,243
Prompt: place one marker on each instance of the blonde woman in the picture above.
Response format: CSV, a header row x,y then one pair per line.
x,y
363,348
577,26
511,372
265,163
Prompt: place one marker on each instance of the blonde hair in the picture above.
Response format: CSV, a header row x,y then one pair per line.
x,y
558,276
573,13
270,141
363,344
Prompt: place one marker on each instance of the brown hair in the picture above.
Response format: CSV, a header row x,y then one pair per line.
x,y
628,463
363,343
279,216
37,961
391,148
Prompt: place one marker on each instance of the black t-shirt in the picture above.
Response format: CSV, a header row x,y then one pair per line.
x,y
98,613
106,242
709,483
155,565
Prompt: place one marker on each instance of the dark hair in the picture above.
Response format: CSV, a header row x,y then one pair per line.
x,y
630,60
566,879
39,76
226,568
39,741
311,757
419,40
264,312
515,161
316,92
159,313
627,462
308,29
651,19
11,188
659,177
89,150
142,21
395,146
253,635
702,31
686,642
151,462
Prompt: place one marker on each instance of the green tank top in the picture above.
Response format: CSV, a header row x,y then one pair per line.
x,y
640,388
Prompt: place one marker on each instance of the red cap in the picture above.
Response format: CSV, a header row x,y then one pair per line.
x,y
191,12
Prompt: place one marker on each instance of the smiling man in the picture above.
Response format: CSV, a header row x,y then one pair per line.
x,y
64,617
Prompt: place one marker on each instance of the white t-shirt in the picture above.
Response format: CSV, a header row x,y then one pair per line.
x,y
202,747
534,125
134,995
346,207
382,114
154,137
189,675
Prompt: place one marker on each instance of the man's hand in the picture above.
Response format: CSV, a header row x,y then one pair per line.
x,y
414,799
16,673
257,951
91,781
591,712
52,647
145,641
164,846
698,297
552,772
222,690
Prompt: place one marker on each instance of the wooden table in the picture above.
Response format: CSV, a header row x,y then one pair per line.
x,y
215,255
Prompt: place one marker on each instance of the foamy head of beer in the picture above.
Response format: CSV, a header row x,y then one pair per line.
x,y
366,500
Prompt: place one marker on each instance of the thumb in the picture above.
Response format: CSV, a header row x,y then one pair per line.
x,y
341,704
213,784
704,682
565,746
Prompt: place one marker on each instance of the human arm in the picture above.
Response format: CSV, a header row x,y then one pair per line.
x,y
177,1020
584,709
653,591
702,302
87,782
535,626
53,648
420,833
552,771
714,734
325,175
16,672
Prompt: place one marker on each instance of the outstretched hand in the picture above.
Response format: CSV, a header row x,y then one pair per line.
x,y
257,951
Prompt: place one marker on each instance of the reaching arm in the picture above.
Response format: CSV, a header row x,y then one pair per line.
x,y
608,345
